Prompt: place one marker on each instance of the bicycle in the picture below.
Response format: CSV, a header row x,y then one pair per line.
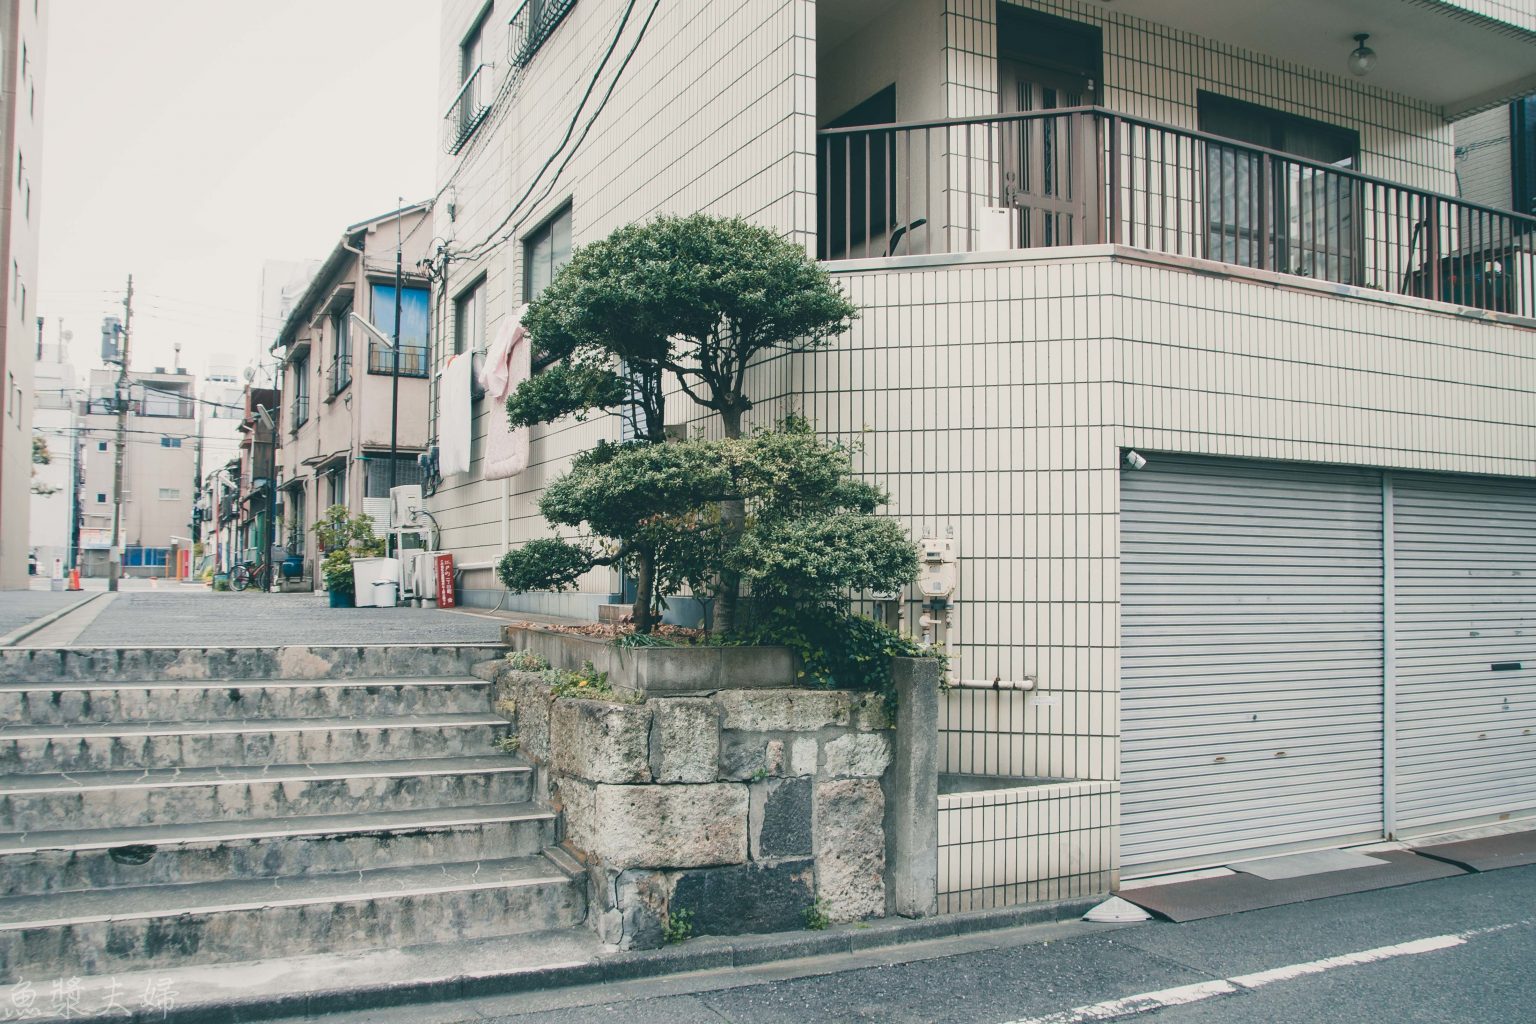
x,y
246,573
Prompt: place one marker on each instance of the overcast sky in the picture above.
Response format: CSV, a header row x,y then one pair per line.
x,y
188,141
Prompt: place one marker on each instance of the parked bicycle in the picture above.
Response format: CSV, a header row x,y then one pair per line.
x,y
247,573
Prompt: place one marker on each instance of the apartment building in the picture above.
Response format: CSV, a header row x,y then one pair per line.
x,y
1172,320
23,38
56,459
159,471
348,396
1496,156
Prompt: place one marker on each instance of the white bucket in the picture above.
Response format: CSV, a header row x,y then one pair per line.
x,y
385,593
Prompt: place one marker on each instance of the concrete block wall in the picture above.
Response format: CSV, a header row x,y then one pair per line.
x,y
746,808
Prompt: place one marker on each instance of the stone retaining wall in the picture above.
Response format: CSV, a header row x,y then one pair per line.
x,y
746,808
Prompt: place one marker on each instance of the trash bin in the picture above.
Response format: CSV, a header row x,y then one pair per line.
x,y
385,593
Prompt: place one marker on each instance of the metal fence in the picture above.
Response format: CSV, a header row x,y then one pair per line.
x,y
1085,175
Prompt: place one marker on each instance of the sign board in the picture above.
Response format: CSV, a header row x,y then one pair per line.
x,y
442,565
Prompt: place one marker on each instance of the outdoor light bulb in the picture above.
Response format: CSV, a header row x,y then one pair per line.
x,y
1362,58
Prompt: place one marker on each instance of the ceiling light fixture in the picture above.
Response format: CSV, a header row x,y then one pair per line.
x,y
1362,58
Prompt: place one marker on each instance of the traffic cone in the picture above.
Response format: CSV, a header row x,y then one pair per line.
x,y
74,579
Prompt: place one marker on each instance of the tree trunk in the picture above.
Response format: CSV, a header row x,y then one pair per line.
x,y
733,521
644,611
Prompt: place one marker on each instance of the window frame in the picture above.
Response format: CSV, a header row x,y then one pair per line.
x,y
531,240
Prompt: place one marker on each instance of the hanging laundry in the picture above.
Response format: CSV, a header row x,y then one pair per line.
x,y
507,364
454,406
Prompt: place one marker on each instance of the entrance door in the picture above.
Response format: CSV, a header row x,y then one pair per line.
x,y
1043,165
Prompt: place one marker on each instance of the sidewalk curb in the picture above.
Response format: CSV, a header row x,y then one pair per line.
x,y
695,955
15,636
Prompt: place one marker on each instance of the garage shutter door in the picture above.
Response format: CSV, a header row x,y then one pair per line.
x,y
1466,602
1251,663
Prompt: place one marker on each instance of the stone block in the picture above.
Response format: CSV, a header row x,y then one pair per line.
x,y
601,742
872,712
576,802
670,826
803,756
784,710
857,755
530,697
685,739
746,899
781,819
745,756
850,848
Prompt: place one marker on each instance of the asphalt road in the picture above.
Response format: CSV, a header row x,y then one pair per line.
x,y
1453,951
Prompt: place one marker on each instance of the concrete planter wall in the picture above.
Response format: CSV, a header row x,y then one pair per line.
x,y
743,807
656,671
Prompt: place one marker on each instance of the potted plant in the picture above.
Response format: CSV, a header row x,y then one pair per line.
x,y
344,537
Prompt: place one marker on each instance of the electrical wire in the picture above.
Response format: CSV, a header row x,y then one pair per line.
x,y
473,252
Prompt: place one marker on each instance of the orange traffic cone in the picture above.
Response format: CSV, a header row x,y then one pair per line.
x,y
74,579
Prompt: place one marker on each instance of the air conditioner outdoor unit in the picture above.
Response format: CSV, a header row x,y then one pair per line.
x,y
404,502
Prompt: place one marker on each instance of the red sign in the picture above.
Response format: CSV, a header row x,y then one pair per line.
x,y
442,565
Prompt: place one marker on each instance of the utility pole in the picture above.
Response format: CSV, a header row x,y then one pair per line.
x,y
394,385
115,553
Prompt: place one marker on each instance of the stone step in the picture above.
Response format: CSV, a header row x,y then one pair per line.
x,y
109,665
134,797
59,861
91,703
52,748
64,935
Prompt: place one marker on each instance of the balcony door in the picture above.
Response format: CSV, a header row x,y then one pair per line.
x,y
1296,218
1046,63
1044,163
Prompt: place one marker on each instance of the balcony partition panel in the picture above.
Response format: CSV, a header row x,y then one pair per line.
x,y
1085,175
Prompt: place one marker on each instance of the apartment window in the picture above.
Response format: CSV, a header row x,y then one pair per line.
x,y
296,520
1522,153
1312,218
101,446
170,493
469,319
336,485
170,442
341,350
101,498
545,252
376,477
300,391
414,338
473,83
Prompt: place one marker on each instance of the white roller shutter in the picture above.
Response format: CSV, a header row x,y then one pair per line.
x,y
1465,634
1251,662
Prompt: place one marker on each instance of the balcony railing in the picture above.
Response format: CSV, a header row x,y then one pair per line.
x,y
531,24
469,107
339,376
1085,175
413,360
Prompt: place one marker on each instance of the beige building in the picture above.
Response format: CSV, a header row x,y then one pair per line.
x,y
159,471
1171,320
23,35
55,424
338,380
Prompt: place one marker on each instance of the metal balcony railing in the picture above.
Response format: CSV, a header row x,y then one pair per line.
x,y
470,106
339,376
531,24
413,360
1086,175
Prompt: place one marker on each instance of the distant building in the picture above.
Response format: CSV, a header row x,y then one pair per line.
x,y
1496,156
338,382
159,470
55,430
282,282
23,30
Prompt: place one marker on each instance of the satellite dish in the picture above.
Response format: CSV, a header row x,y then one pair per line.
x,y
249,373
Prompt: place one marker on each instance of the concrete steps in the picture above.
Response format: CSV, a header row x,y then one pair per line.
x,y
169,744
195,816
132,797
60,935
94,704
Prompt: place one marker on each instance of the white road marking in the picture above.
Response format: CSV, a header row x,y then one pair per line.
x,y
1146,1002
